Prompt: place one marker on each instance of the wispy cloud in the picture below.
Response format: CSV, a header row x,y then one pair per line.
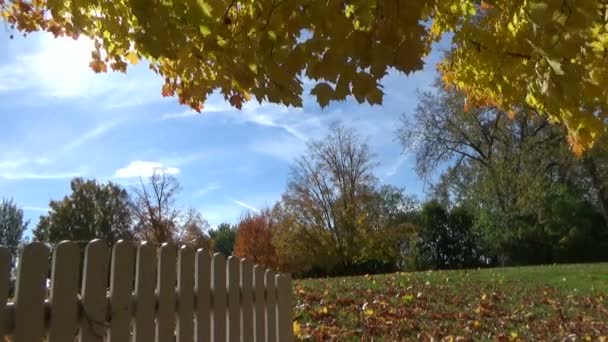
x,y
23,168
285,149
396,165
207,189
180,115
245,205
33,208
140,168
90,135
44,175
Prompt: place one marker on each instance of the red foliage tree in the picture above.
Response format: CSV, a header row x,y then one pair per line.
x,y
254,239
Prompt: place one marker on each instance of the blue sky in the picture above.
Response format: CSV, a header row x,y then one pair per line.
x,y
59,120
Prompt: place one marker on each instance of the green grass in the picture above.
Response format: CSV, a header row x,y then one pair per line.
x,y
516,303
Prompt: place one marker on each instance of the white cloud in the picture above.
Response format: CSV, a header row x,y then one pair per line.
x,y
19,169
245,205
33,208
140,168
58,67
207,189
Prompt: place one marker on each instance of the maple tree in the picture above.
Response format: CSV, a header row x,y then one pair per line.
x,y
254,239
548,54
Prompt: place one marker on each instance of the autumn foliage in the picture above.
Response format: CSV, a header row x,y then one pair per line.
x,y
549,55
254,239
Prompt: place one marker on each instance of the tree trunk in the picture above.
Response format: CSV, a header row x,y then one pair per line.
x,y
600,186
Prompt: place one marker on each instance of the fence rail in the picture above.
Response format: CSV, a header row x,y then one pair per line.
x,y
141,293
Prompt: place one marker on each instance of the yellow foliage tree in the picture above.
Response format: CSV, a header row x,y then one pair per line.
x,y
548,54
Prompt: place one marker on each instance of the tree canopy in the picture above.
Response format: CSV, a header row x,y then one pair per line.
x,y
92,210
12,225
549,55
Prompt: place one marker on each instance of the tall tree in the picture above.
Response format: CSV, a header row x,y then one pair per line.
x,y
12,225
194,230
254,238
153,206
91,211
326,194
545,53
223,238
501,165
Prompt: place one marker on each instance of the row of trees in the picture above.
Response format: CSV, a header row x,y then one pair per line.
x,y
108,211
505,190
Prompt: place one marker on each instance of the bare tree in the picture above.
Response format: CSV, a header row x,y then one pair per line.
x,y
326,192
153,205
193,230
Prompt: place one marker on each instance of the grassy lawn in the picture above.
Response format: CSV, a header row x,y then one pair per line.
x,y
505,304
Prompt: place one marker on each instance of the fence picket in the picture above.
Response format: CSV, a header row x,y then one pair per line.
x,y
218,282
260,303
271,307
5,283
144,293
234,312
29,297
185,284
203,283
285,318
165,321
64,292
121,286
247,300
94,287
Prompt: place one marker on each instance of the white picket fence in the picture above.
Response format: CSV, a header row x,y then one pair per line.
x,y
141,293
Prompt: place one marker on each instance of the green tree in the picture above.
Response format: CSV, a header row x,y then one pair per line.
x,y
446,237
91,211
391,219
503,167
223,238
12,225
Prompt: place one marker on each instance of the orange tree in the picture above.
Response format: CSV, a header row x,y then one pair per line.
x,y
548,54
254,239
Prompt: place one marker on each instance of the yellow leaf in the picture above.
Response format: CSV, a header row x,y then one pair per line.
x,y
476,324
369,312
296,328
132,57
324,310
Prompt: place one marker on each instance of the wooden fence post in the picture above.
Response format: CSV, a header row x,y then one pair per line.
x,y
185,285
247,300
285,308
203,283
65,278
121,286
144,293
31,290
218,276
